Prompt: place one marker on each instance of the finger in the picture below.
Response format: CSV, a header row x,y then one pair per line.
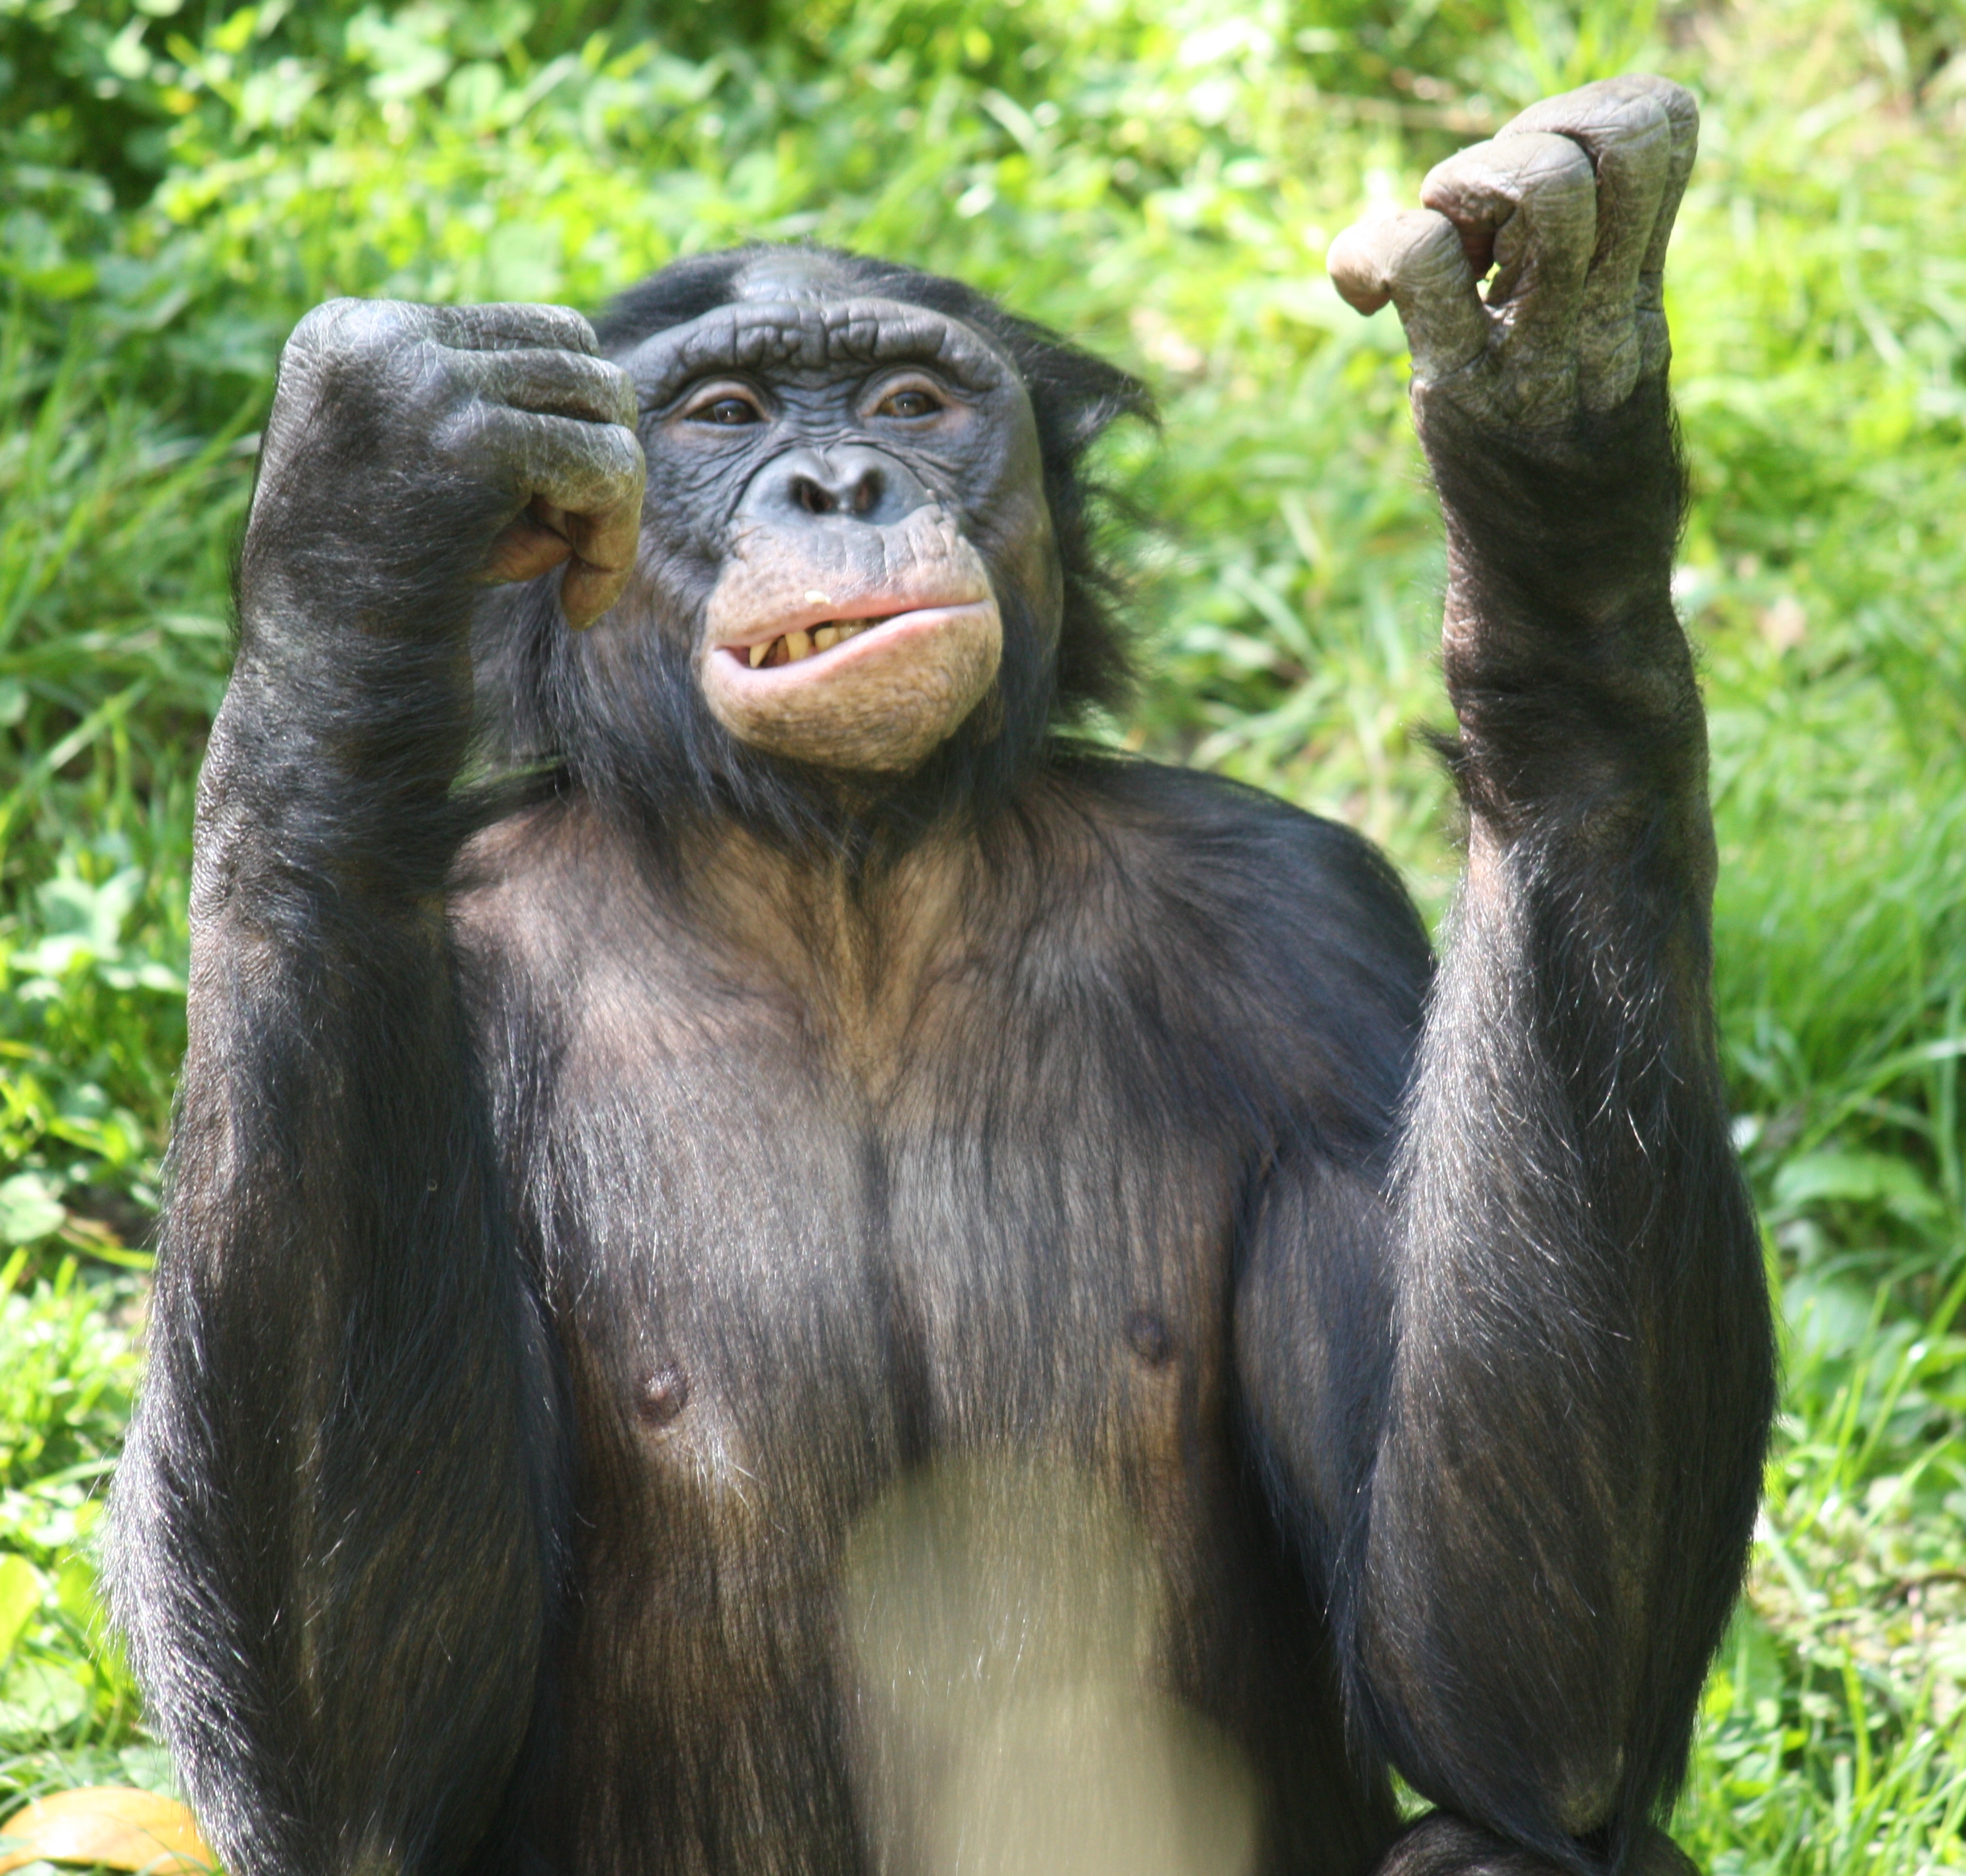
x,y
496,328
1414,259
526,546
553,383
1628,134
606,538
1628,200
1682,116
1532,200
586,592
593,472
587,468
1628,137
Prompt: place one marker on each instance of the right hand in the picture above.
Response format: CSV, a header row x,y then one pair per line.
x,y
404,437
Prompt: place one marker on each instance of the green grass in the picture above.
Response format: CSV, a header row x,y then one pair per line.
x,y
1161,176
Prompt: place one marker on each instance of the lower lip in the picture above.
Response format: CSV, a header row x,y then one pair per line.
x,y
895,631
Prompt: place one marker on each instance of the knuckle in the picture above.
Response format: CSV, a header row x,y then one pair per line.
x,y
356,327
1646,119
1618,118
1510,169
618,455
559,327
1552,161
574,381
1424,242
471,435
598,380
1408,243
1679,105
1466,172
626,404
367,353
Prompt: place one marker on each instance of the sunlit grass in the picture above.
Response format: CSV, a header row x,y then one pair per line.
x,y
1163,179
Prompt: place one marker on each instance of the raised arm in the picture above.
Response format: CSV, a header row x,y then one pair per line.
x,y
1533,1499
349,1388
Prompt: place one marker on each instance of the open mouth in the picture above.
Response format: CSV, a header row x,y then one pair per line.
x,y
814,634
788,648
865,680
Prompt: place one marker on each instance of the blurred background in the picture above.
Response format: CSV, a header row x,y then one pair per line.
x,y
179,180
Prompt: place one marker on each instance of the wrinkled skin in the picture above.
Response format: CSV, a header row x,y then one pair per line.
x,y
857,512
1049,1338
1572,204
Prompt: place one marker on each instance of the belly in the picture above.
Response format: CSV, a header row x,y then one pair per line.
x,y
913,1534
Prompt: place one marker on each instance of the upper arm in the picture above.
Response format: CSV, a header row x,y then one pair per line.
x,y
1313,1346
1333,969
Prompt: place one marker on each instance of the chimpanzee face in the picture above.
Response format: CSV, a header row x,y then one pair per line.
x,y
841,491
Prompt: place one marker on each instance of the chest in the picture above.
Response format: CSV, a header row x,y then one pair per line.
x,y
779,1275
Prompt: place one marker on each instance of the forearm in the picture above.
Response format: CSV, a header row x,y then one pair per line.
x,y
1581,1377
1572,1227
347,1386
1572,684
334,1525
328,798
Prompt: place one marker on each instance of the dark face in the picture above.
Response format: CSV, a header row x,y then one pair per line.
x,y
841,491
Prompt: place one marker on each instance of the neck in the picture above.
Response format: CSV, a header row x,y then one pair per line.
x,y
856,949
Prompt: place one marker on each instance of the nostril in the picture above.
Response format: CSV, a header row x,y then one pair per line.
x,y
847,483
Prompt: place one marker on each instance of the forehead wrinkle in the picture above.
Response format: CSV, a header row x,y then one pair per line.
x,y
813,338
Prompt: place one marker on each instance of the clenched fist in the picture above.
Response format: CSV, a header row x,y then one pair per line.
x,y
405,439
1571,204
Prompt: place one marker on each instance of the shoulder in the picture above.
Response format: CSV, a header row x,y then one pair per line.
x,y
1291,937
1271,869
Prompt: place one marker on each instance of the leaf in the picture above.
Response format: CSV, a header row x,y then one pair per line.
x,y
39,1697
20,1596
75,1593
113,1826
1860,1178
29,1209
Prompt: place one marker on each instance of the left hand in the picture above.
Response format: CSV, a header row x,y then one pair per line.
x,y
1572,202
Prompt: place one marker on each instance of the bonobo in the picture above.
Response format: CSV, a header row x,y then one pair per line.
x,y
774,1266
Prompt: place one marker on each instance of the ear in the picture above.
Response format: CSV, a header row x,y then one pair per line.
x,y
1074,395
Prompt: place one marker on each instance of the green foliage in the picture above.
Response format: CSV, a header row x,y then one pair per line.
x,y
66,1370
180,178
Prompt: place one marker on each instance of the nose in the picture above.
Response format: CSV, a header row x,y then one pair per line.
x,y
851,482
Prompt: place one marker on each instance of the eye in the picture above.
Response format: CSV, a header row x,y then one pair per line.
x,y
724,405
909,403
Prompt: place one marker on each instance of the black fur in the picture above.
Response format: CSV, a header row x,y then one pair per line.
x,y
650,742
590,1204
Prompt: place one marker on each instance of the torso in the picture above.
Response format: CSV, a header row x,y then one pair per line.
x,y
895,1295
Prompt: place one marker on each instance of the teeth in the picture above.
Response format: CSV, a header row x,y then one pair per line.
x,y
788,650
